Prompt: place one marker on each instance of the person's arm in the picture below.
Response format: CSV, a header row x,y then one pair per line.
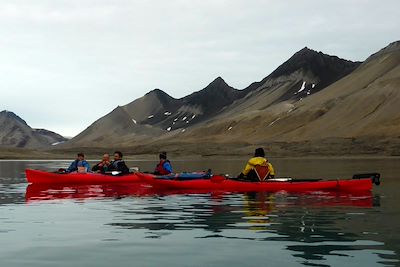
x,y
167,166
72,166
247,169
122,167
271,169
86,165
95,167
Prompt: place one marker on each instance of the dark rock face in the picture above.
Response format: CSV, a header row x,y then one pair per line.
x,y
189,110
214,97
329,69
315,69
15,132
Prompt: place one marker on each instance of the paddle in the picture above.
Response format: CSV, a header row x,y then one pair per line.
x,y
375,176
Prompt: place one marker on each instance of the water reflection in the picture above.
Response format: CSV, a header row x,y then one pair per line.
x,y
312,232
318,229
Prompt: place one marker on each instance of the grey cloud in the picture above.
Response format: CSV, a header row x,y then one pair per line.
x,y
66,63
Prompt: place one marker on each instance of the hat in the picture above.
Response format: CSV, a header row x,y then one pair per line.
x,y
163,155
259,152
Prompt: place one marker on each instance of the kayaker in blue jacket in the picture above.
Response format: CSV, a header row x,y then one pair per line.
x,y
118,164
79,165
164,166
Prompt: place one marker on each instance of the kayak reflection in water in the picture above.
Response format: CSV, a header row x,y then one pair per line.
x,y
257,207
79,165
103,165
164,166
118,164
258,168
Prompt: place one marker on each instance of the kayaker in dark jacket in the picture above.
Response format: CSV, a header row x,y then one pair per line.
x,y
164,166
118,164
258,168
79,165
103,165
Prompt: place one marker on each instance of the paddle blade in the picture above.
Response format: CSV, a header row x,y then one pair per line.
x,y
375,177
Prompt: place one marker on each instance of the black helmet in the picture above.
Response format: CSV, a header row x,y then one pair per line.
x,y
259,152
163,155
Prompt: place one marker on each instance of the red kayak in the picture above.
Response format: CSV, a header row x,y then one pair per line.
x,y
222,183
43,177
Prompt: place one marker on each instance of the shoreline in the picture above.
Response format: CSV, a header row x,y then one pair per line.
x,y
150,158
210,150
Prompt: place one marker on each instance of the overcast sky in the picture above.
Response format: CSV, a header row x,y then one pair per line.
x,y
64,64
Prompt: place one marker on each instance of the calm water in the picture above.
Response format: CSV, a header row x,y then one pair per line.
x,y
112,226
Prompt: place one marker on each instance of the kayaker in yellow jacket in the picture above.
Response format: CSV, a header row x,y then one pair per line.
x,y
258,168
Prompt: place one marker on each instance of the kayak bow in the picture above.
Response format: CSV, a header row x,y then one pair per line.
x,y
43,177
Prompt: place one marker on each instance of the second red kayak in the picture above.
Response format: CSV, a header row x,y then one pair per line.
x,y
221,183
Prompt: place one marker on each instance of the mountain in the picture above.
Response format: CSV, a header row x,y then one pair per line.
x,y
204,104
156,113
302,75
362,104
15,132
169,113
152,108
115,127
312,100
359,110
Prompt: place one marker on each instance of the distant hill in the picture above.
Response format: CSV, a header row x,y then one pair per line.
x,y
15,132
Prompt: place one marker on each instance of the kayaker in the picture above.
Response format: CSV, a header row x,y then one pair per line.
x,y
164,166
79,165
258,168
103,165
118,164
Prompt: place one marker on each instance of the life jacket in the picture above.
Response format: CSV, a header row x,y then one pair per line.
x,y
118,165
262,172
160,168
76,164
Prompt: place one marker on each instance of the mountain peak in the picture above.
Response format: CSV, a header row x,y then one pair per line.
x,y
160,95
12,115
157,92
217,83
307,54
15,132
306,50
308,59
394,46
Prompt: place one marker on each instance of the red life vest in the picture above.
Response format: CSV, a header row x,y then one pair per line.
x,y
160,168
